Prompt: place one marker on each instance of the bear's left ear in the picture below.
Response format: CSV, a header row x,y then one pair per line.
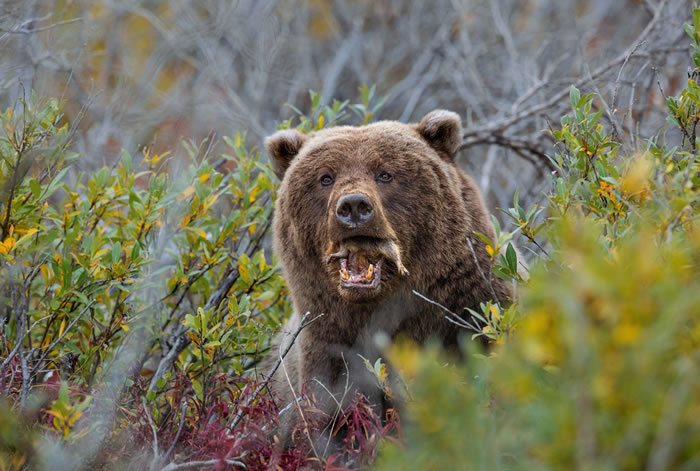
x,y
442,129
282,147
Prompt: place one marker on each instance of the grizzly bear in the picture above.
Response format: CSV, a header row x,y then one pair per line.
x,y
365,216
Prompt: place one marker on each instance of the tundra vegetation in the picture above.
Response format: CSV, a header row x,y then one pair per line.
x,y
136,297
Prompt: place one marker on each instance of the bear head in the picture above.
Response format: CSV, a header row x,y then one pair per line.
x,y
362,210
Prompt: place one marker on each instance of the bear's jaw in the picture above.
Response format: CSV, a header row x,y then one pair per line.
x,y
357,270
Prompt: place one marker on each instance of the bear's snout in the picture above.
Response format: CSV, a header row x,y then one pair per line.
x,y
354,210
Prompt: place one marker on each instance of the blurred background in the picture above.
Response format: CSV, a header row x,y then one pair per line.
x,y
137,73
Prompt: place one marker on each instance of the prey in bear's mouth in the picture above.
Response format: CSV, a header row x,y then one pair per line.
x,y
360,261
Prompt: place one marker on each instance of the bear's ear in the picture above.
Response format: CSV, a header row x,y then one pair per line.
x,y
282,147
443,131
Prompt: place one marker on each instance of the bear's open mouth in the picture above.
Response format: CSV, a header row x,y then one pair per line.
x,y
357,270
360,260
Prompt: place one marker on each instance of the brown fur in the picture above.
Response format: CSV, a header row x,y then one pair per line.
x,y
423,216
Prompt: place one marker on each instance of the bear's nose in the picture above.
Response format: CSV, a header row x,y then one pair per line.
x,y
354,210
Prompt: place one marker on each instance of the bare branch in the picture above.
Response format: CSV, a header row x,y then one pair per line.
x,y
451,316
483,275
302,324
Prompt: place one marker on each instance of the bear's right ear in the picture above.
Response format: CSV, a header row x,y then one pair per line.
x,y
442,129
282,147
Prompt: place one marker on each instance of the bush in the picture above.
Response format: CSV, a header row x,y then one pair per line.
x,y
103,274
595,367
135,305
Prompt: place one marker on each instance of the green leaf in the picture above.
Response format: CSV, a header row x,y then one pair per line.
x,y
126,160
512,258
55,182
116,252
689,31
197,386
315,99
190,321
35,187
477,315
364,94
574,96
484,238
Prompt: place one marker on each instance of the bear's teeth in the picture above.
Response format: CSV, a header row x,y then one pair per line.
x,y
370,272
344,275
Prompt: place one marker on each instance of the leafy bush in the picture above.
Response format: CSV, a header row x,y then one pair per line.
x,y
135,305
595,366
102,273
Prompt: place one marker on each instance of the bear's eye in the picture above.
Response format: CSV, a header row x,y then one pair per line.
x,y
326,180
384,177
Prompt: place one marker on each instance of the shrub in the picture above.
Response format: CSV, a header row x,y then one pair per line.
x,y
137,299
102,273
594,367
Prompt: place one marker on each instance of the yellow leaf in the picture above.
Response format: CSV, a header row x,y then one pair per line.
x,y
193,338
188,191
243,270
627,334
8,244
63,326
28,232
209,201
100,253
183,280
636,178
204,177
254,193
198,231
124,327
74,416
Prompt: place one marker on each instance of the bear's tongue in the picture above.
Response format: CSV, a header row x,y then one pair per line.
x,y
357,268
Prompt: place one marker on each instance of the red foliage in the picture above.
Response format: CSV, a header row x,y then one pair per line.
x,y
204,432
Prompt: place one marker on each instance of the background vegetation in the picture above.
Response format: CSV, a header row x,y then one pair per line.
x,y
137,287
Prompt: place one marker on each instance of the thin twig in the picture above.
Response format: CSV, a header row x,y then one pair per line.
x,y
613,104
452,317
331,424
153,429
241,411
297,402
201,464
483,275
183,409
58,340
500,125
